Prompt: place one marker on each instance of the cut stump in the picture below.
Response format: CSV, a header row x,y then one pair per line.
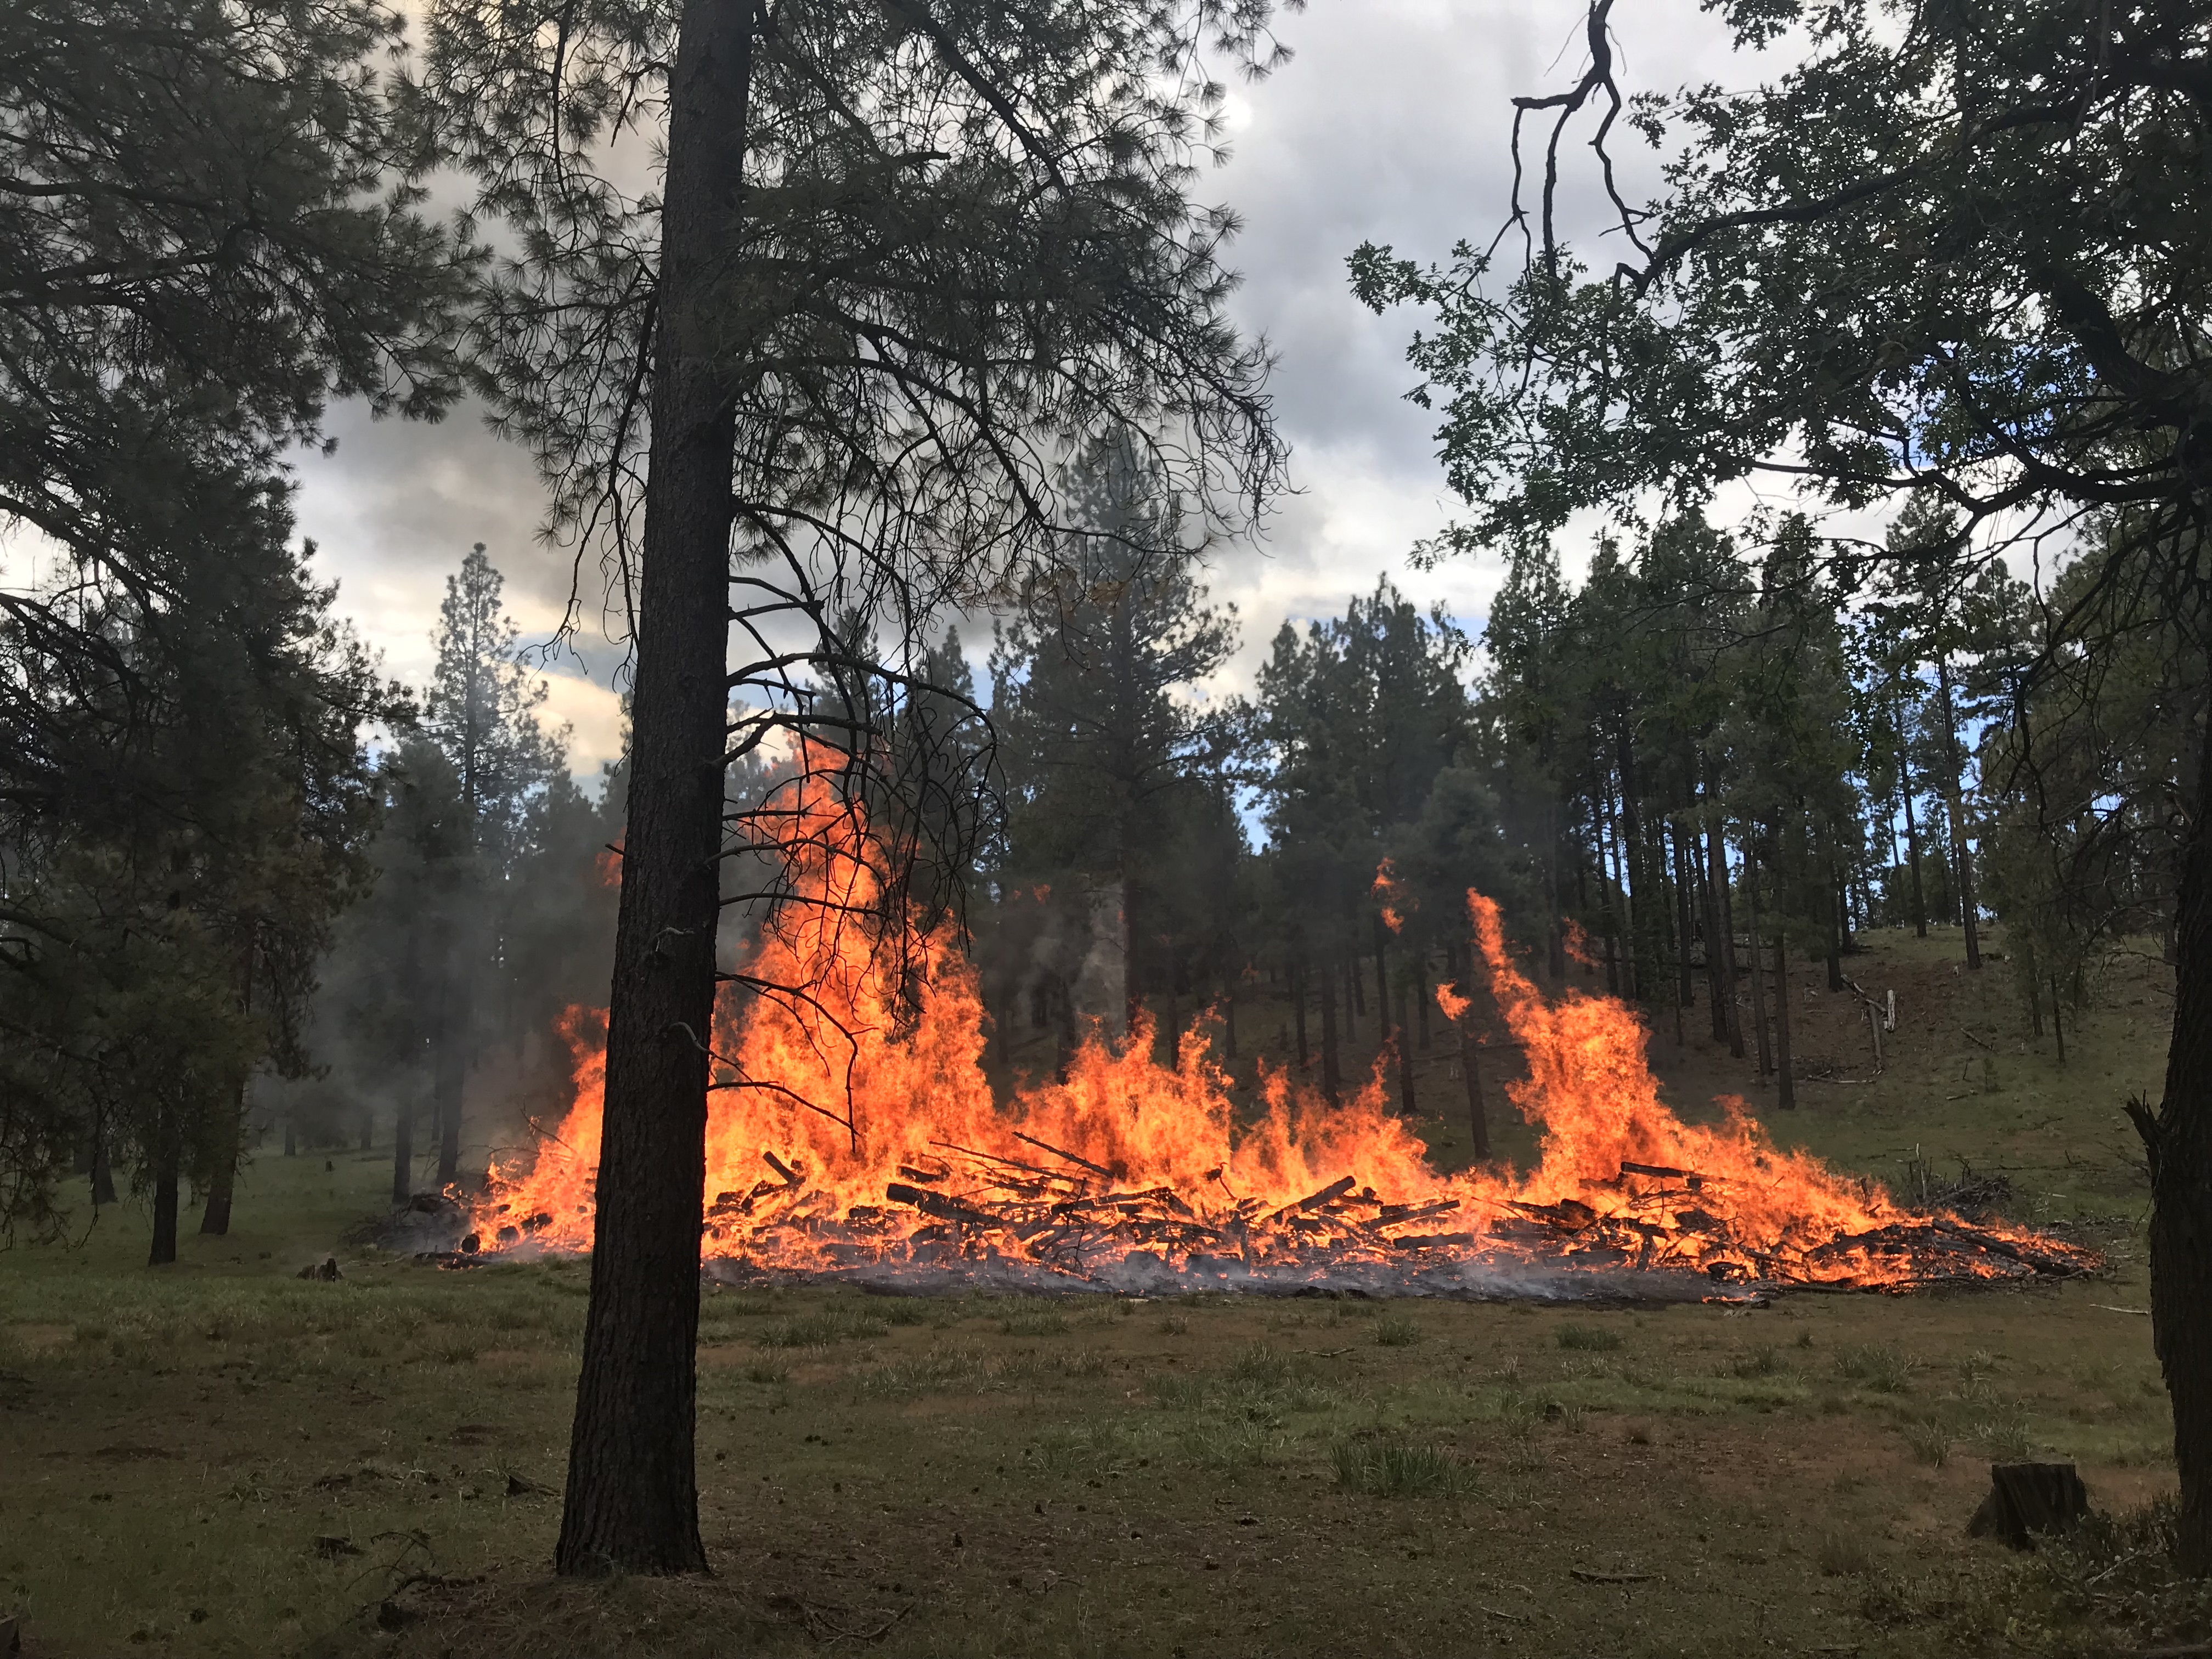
x,y
2026,1499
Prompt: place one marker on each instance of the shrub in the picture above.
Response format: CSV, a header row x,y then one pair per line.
x,y
1390,1468
1880,1366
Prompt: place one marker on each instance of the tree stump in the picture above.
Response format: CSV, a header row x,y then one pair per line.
x,y
2025,1499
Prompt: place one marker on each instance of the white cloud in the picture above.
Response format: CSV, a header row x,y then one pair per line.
x,y
1390,125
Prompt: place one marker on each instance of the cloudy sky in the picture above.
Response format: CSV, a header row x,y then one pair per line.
x,y
1390,124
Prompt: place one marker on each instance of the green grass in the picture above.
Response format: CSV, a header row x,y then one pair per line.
x,y
988,1476
1388,1467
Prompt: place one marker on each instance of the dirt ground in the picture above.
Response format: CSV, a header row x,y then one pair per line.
x,y
222,1458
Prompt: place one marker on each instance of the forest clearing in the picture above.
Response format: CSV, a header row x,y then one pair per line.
x,y
242,1461
986,827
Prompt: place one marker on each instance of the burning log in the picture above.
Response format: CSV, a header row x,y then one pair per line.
x,y
1334,1189
1690,1178
945,1209
1080,1163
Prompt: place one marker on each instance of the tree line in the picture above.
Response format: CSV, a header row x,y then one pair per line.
x,y
920,315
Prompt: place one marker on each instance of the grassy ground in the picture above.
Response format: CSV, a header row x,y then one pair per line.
x,y
222,1458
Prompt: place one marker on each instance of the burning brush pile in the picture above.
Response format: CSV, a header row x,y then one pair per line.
x,y
852,1134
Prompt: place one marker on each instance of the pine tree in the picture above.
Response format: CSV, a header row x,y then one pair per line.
x,y
895,256
480,710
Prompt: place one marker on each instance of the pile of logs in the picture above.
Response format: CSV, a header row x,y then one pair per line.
x,y
1070,1215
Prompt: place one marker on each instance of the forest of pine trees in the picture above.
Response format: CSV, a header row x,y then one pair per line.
x,y
1840,528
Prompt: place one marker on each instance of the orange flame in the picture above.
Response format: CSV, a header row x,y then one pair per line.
x,y
856,1124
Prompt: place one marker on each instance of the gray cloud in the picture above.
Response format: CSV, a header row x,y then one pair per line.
x,y
1391,124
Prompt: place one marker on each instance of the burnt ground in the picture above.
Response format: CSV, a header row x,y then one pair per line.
x,y
225,1458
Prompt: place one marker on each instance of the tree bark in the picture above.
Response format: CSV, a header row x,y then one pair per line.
x,y
223,1179
402,1145
449,1083
2057,1020
632,1503
168,1156
1478,1113
1297,978
2179,1144
103,1170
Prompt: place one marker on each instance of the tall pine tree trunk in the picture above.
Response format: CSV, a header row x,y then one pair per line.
x,y
456,1038
1478,1115
1332,1073
103,1169
1298,977
1787,1096
2178,1142
1834,904
222,1178
1758,972
403,1146
1685,990
1720,943
1555,937
1954,797
230,1131
632,1503
1421,997
1405,1057
168,1157
1911,834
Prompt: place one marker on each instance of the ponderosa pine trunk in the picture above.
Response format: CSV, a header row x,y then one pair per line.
x,y
403,1148
168,1157
1332,1073
103,1170
2178,1142
632,1502
222,1178
1757,970
1786,1096
1555,937
1477,1113
1911,833
1835,908
1404,1056
449,1083
1685,991
1954,799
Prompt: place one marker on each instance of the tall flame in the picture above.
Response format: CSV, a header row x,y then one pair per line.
x,y
854,1122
